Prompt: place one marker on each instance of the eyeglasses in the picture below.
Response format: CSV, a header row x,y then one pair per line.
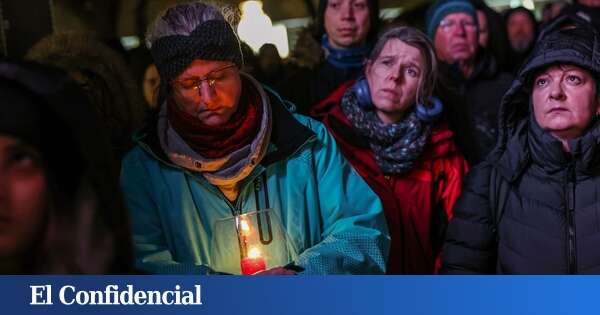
x,y
217,78
447,25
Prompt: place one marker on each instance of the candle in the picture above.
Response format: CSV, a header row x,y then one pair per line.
x,y
253,263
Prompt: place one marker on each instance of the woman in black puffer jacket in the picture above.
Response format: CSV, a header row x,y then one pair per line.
x,y
534,206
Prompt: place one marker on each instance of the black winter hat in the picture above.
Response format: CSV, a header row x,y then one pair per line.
x,y
506,14
24,112
569,39
44,108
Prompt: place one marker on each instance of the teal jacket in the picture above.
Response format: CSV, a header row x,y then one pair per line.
x,y
333,221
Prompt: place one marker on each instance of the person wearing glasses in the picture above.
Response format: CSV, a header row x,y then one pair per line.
x,y
386,124
470,84
221,150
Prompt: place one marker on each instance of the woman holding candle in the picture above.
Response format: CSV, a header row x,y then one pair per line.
x,y
222,146
386,125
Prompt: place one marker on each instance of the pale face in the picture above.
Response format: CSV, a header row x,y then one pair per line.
x,y
347,22
456,38
564,100
209,90
394,78
23,192
521,31
483,28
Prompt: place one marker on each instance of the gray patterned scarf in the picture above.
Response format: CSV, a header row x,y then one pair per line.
x,y
396,146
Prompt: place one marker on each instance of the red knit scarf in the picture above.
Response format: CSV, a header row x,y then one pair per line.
x,y
216,142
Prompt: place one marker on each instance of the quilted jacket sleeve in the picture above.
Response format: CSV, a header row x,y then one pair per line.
x,y
470,246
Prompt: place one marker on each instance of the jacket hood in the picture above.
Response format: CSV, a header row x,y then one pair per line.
x,y
568,40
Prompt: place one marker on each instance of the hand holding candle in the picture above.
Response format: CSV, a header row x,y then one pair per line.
x,y
239,247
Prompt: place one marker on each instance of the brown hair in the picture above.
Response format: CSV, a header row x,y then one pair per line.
x,y
415,38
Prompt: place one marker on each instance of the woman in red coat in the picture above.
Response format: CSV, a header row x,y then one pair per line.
x,y
387,126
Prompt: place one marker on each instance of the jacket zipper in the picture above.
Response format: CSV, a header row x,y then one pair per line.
x,y
571,238
237,208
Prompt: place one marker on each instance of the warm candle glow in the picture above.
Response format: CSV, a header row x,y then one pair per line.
x,y
244,226
254,253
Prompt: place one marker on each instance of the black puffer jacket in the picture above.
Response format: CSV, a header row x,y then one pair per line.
x,y
531,208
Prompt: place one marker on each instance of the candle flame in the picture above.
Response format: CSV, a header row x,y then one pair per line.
x,y
254,252
244,226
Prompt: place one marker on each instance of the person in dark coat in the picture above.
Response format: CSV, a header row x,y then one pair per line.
x,y
522,30
386,126
588,10
346,30
271,70
61,209
495,42
532,207
470,82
